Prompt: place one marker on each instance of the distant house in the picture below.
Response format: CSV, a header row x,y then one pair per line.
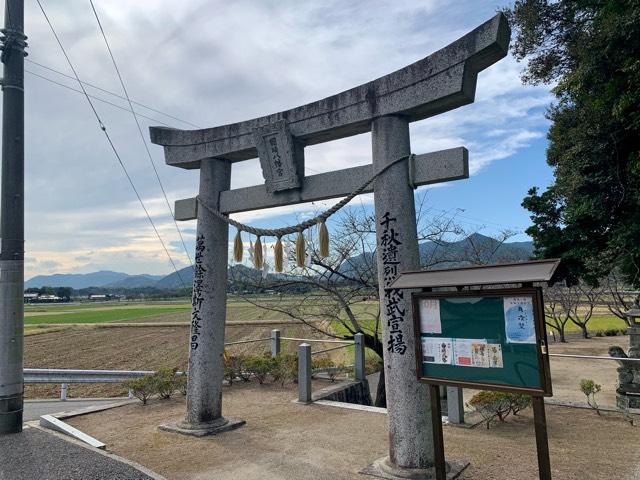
x,y
31,297
98,297
49,298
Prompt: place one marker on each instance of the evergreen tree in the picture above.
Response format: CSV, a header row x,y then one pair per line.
x,y
589,50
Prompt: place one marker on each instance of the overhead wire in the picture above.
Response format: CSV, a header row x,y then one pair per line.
x,y
104,90
111,144
142,137
93,96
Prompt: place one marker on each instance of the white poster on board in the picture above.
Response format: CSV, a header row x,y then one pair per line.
x,y
518,320
430,316
437,350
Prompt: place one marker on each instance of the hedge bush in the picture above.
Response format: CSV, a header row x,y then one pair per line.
x,y
498,404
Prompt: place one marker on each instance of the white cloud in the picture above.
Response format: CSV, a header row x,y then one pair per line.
x,y
214,63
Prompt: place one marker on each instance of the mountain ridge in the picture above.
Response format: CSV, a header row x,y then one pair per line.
x,y
474,249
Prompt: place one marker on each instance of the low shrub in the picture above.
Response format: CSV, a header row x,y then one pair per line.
x,y
599,333
165,382
259,366
181,384
611,332
623,331
590,388
142,387
499,405
234,368
284,368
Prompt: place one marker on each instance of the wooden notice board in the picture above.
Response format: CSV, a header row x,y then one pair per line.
x,y
486,339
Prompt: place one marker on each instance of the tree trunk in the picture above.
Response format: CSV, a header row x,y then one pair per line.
x,y
585,332
381,393
375,344
562,338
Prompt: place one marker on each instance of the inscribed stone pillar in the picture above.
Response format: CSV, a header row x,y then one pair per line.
x,y
206,367
209,308
410,429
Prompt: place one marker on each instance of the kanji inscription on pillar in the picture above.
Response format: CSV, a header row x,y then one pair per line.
x,y
393,304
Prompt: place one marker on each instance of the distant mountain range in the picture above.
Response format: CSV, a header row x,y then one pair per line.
x,y
475,249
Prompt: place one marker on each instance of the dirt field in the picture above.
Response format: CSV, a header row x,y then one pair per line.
x,y
148,348
286,440
129,348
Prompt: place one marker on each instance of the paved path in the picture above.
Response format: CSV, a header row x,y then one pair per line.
x,y
33,409
34,454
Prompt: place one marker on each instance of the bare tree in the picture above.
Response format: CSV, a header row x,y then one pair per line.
x,y
581,302
556,310
342,296
618,296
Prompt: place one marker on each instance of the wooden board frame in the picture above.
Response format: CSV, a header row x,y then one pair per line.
x,y
540,330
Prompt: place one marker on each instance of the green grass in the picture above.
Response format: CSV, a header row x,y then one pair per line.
x,y
599,323
105,316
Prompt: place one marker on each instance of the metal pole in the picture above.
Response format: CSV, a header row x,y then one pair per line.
x,y
63,392
12,220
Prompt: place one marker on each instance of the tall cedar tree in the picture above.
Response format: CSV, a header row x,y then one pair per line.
x,y
590,51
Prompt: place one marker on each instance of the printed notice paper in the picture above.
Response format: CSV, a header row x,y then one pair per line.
x,y
518,320
437,350
480,355
495,355
462,348
430,316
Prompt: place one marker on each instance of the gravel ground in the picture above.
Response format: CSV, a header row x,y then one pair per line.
x,y
286,440
34,454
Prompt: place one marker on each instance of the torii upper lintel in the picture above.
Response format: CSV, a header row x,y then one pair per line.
x,y
440,82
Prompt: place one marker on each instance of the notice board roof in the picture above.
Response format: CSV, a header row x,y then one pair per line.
x,y
523,272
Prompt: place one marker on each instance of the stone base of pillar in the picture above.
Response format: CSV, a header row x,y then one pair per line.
x,y
383,468
215,427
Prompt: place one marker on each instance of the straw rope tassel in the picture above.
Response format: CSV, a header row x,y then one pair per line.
x,y
300,250
257,254
324,240
278,255
237,247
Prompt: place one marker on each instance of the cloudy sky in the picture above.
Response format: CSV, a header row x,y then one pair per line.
x,y
215,62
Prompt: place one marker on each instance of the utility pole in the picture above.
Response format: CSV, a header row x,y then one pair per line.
x,y
13,42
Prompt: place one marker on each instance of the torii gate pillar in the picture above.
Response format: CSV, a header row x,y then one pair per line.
x,y
208,314
408,401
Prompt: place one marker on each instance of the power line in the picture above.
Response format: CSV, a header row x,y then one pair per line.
x,y
113,93
113,148
142,137
92,96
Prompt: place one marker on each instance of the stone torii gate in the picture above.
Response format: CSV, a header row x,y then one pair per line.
x,y
440,82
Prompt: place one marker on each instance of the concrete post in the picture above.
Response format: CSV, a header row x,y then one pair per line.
x,y
12,220
209,306
359,353
304,373
275,342
63,392
455,405
408,401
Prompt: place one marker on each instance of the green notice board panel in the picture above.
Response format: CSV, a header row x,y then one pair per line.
x,y
488,339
